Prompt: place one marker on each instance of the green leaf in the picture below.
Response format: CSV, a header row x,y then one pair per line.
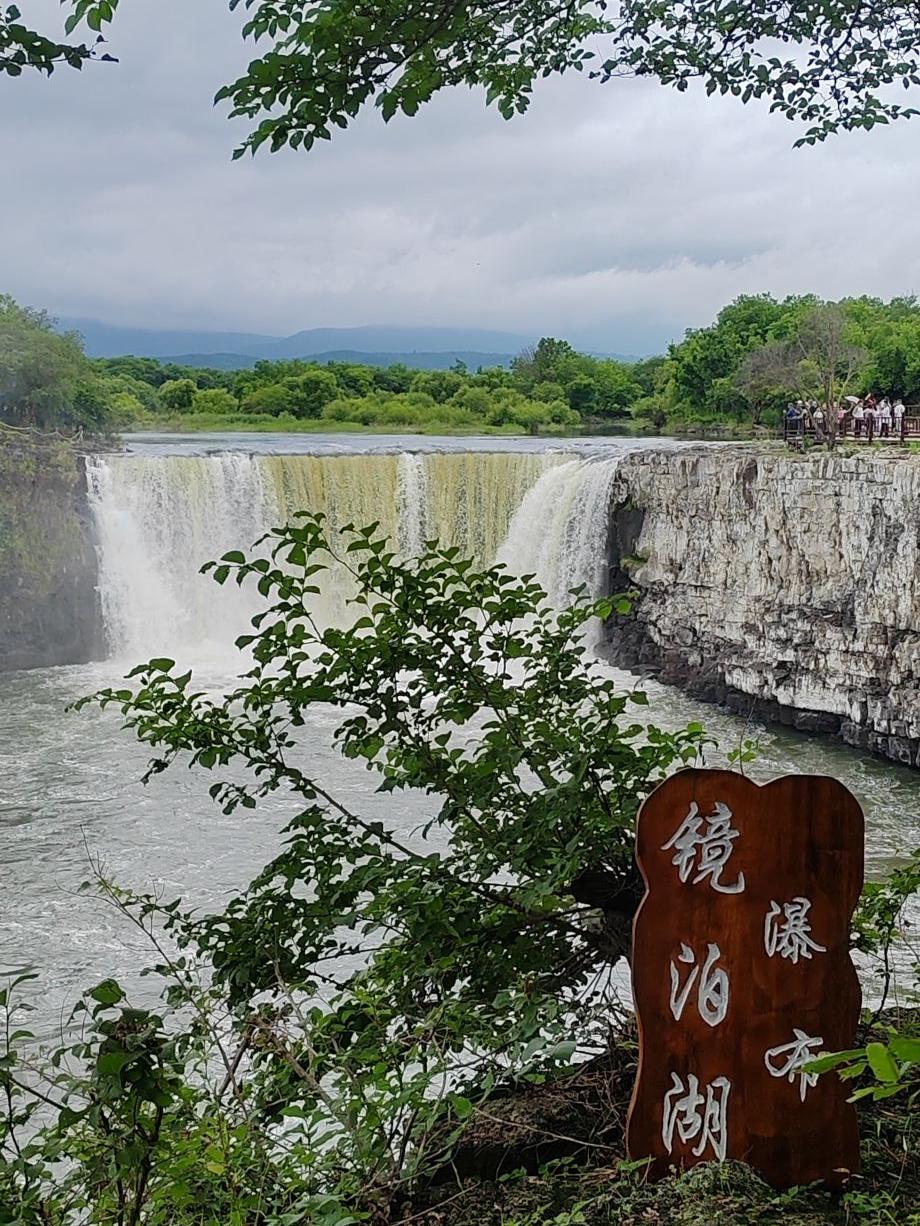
x,y
111,1063
108,992
905,1049
462,1106
832,1060
881,1062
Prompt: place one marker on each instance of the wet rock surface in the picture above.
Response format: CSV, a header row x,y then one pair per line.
x,y
779,585
49,605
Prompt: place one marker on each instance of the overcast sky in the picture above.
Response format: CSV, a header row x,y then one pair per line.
x,y
614,215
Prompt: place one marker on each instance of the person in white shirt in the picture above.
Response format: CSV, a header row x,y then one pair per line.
x,y
884,417
858,414
898,414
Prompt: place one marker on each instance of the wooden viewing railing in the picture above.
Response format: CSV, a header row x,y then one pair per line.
x,y
869,430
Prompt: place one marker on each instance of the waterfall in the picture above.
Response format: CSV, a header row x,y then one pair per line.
x,y
158,519
412,493
559,532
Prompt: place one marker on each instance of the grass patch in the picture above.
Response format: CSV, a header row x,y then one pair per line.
x,y
261,423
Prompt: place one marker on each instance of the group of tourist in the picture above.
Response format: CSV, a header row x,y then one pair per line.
x,y
870,416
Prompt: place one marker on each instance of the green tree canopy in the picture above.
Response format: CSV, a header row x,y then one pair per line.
x,y
825,63
311,391
760,351
178,394
46,380
440,385
214,400
702,369
273,398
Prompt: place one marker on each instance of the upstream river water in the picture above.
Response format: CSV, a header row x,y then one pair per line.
x,y
69,782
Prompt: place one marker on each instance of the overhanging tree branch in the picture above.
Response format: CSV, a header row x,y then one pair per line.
x,y
830,65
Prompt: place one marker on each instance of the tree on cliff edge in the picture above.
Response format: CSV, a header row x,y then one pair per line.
x,y
46,380
820,362
829,64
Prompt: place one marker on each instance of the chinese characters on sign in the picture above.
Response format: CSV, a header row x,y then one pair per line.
x,y
798,1052
712,1000
714,846
694,1116
742,974
790,936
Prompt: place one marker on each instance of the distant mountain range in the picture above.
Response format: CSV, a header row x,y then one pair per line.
x,y
423,348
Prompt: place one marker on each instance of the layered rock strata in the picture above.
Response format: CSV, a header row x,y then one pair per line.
x,y
780,583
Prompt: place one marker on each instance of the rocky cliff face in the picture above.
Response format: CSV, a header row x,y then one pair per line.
x,y
786,583
49,607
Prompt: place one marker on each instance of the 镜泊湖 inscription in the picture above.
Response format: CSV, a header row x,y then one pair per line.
x,y
742,974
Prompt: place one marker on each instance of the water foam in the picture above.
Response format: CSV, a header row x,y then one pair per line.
x,y
158,519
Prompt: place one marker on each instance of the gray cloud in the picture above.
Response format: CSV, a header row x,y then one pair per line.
x,y
616,215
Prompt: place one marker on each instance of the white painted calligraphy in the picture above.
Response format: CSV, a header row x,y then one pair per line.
x,y
692,1116
714,847
790,937
802,1049
712,996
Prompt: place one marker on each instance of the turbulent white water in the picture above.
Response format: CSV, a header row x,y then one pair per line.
x,y
560,531
159,519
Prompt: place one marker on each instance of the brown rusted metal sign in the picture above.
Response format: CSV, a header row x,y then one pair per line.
x,y
742,973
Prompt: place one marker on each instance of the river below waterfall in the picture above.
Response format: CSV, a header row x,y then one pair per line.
x,y
69,783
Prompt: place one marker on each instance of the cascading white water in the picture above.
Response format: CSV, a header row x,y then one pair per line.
x,y
159,519
412,496
560,531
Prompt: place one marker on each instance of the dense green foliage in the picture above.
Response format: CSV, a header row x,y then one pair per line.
x,y
46,381
737,373
327,1040
761,352
549,388
826,63
378,982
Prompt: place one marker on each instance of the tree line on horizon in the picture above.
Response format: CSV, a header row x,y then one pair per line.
x,y
737,373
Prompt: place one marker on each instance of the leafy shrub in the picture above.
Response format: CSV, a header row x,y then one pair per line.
x,y
273,398
214,400
177,395
370,987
